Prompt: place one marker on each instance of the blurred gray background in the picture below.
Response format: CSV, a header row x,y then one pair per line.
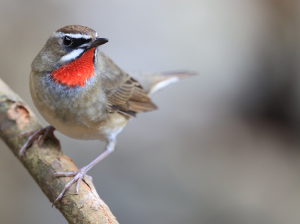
x,y
223,147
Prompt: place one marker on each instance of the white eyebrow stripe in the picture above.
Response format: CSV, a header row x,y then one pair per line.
x,y
73,35
74,54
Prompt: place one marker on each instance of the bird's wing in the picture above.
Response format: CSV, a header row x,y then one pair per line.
x,y
124,94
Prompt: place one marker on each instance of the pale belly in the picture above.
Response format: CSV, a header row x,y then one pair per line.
x,y
78,113
109,128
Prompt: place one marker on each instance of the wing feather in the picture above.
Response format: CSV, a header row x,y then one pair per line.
x,y
124,94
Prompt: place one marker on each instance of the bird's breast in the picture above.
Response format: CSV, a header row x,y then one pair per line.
x,y
77,72
77,112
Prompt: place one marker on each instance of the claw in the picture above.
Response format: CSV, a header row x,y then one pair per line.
x,y
67,186
39,140
27,133
78,177
81,173
77,187
39,135
65,174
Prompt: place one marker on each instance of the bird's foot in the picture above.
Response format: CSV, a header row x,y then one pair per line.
x,y
39,135
78,177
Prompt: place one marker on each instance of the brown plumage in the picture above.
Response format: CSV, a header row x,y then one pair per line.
x,y
99,105
76,29
125,93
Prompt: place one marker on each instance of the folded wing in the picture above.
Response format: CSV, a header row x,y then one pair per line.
x,y
124,94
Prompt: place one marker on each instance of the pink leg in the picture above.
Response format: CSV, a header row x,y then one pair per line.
x,y
79,175
40,134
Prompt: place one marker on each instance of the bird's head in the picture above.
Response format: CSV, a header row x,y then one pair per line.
x,y
64,46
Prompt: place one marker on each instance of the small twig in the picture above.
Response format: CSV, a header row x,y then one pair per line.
x,y
42,162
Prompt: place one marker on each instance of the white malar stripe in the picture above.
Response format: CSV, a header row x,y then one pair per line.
x,y
163,84
71,56
73,35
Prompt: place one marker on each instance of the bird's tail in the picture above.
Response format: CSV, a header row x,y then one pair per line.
x,y
153,82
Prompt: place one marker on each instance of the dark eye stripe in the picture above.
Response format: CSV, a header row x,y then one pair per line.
x,y
76,42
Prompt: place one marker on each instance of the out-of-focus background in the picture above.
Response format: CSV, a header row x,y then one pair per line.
x,y
224,146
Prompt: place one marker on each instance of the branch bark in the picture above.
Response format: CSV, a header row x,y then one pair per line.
x,y
42,163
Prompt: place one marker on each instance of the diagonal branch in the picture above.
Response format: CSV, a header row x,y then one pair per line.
x,y
42,163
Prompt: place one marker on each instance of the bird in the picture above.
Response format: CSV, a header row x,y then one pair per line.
x,y
84,95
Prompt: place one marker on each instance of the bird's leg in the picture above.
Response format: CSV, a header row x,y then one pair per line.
x,y
79,175
40,135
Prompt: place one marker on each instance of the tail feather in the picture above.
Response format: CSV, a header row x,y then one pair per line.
x,y
153,82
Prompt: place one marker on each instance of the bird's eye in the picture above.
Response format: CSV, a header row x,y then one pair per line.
x,y
67,41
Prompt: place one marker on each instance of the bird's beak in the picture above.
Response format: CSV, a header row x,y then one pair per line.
x,y
94,43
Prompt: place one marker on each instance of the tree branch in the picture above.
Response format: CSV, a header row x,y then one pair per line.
x,y
42,163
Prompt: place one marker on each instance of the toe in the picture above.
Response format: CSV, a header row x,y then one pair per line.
x,y
65,174
22,154
40,134
78,179
26,133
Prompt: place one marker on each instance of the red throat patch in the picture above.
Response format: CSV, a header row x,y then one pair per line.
x,y
77,72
